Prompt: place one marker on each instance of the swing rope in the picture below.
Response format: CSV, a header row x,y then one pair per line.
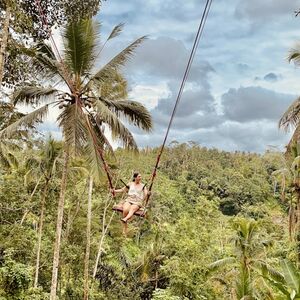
x,y
204,16
184,79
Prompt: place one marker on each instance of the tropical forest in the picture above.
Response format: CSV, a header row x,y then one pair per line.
x,y
103,196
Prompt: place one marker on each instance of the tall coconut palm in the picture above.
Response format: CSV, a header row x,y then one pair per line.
x,y
42,169
248,259
289,180
83,110
285,177
148,264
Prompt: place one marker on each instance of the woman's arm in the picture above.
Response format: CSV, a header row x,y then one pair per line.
x,y
122,190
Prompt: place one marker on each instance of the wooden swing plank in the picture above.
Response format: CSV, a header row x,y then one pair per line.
x,y
139,213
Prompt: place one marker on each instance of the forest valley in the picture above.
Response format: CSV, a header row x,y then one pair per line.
x,y
220,225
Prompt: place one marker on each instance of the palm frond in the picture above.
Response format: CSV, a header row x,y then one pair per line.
x,y
115,63
119,131
294,54
133,111
267,271
291,117
72,121
115,88
282,176
291,275
221,263
80,40
291,148
99,134
28,120
280,286
278,174
93,157
7,153
81,171
220,280
116,31
44,61
32,94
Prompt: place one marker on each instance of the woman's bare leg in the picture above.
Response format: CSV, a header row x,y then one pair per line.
x,y
132,210
126,209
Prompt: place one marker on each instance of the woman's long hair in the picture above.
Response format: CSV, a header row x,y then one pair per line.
x,y
135,175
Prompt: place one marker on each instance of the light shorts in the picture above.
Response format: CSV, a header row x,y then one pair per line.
x,y
133,200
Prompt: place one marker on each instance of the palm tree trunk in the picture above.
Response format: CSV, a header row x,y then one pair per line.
x,y
38,252
5,32
60,213
88,241
30,201
104,230
291,222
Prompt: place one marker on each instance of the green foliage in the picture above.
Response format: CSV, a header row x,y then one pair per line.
x,y
14,277
27,23
167,255
236,179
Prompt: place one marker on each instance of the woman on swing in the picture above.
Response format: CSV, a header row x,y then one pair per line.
x,y
137,192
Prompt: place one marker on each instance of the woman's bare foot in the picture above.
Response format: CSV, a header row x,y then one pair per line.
x,y
124,220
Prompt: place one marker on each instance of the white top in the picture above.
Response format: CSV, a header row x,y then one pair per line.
x,y
135,191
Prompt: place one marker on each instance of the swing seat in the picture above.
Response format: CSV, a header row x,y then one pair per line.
x,y
140,213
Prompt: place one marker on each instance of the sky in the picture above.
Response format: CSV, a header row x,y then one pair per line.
x,y
240,81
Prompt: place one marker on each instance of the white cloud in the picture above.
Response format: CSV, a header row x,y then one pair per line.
x,y
149,94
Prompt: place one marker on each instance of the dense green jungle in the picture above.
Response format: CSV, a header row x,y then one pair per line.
x,y
217,222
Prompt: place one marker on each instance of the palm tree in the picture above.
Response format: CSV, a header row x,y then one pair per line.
x,y
284,177
149,262
83,110
248,259
8,146
42,170
289,180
